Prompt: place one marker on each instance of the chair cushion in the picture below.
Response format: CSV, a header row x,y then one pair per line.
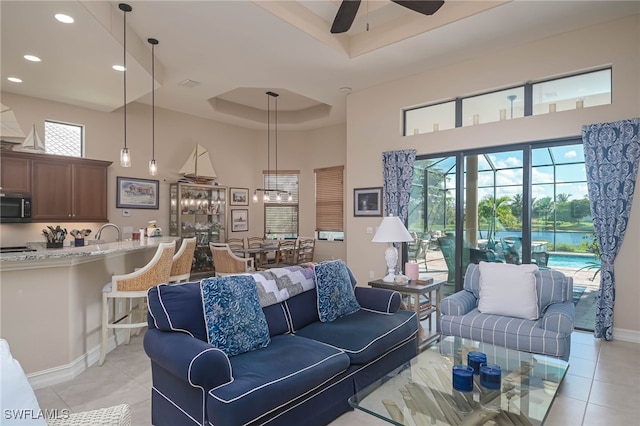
x,y
376,333
269,378
335,293
514,333
550,286
507,289
232,313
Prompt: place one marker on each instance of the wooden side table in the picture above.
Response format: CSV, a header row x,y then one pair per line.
x,y
411,292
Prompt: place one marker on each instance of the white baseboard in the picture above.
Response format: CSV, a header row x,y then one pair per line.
x,y
64,373
632,336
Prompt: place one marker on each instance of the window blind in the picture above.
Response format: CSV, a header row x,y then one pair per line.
x,y
330,199
281,217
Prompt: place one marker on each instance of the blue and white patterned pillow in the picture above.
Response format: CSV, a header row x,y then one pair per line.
x,y
232,313
335,293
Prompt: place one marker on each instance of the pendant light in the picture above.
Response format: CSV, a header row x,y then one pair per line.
x,y
268,191
153,166
125,156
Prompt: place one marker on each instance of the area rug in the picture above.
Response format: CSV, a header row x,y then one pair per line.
x,y
577,293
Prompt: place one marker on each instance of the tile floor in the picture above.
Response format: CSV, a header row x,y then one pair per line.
x,y
602,386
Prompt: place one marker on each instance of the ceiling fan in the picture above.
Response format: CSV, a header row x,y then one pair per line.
x,y
348,9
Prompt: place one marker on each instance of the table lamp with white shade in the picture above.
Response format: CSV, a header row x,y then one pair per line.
x,y
391,230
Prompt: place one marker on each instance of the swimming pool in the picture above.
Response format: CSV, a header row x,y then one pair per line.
x,y
571,260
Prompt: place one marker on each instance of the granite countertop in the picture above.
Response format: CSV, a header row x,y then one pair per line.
x,y
94,248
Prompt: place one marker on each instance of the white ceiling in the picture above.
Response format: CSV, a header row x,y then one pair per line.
x,y
239,49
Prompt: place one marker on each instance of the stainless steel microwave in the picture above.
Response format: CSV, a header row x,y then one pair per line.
x,y
15,207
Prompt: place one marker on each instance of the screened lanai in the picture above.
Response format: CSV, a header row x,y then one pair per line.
x,y
522,204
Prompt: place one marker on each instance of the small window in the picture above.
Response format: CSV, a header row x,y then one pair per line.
x,y
281,217
330,203
430,118
64,139
495,106
574,92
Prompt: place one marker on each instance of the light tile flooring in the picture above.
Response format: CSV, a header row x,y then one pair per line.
x,y
602,386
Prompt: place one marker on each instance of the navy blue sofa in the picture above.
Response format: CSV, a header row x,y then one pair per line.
x,y
304,376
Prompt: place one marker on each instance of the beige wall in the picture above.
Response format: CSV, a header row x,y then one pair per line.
x,y
238,155
375,125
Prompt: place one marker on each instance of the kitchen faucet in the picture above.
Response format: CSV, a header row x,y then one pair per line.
x,y
106,225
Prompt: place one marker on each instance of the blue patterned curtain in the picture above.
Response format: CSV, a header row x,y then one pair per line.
x,y
397,170
611,155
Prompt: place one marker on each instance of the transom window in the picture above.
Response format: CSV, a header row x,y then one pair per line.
x,y
63,138
542,97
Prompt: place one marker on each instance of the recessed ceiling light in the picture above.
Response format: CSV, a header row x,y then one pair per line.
x,y
65,19
118,68
32,58
14,79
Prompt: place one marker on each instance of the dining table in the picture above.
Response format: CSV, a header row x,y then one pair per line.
x,y
259,254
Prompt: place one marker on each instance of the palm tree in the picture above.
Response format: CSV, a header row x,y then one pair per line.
x,y
516,206
491,209
562,198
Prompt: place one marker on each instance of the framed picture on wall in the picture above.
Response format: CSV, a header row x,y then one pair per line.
x,y
135,193
238,196
367,201
239,220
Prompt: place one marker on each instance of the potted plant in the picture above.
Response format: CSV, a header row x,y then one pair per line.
x,y
592,247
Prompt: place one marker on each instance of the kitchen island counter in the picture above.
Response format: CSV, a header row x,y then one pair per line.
x,y
22,260
51,304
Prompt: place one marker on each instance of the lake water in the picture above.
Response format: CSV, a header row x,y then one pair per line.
x,y
574,238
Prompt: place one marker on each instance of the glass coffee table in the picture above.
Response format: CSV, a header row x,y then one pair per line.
x,y
420,392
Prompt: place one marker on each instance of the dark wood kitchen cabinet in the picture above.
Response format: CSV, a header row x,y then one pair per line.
x,y
15,172
63,189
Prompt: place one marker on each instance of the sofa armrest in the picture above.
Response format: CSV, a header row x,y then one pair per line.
x,y
559,317
459,303
192,360
378,299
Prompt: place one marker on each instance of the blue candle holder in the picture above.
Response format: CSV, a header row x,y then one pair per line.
x,y
462,376
490,376
475,360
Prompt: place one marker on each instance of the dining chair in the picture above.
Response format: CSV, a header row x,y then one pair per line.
x,y
225,262
236,244
182,261
306,247
129,287
287,253
257,243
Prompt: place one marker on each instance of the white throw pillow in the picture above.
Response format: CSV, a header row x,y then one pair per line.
x,y
507,289
17,401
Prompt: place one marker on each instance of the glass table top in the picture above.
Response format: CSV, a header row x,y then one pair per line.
x,y
421,393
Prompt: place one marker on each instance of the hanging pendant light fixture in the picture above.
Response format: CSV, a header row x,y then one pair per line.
x,y
153,166
125,156
267,192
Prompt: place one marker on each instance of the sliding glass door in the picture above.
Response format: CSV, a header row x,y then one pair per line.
x,y
492,233
519,204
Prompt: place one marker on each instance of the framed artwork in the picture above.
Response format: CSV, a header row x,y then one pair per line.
x,y
239,220
367,201
239,196
134,193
